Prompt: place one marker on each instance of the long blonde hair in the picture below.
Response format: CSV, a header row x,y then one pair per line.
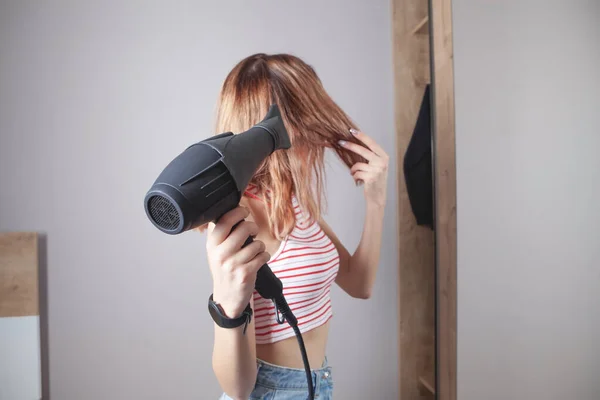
x,y
313,120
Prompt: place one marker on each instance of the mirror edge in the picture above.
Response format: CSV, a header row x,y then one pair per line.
x,y
444,166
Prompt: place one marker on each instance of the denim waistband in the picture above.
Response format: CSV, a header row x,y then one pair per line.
x,y
278,377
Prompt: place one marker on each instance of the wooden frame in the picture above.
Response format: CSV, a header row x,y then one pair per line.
x,y
423,54
445,196
416,285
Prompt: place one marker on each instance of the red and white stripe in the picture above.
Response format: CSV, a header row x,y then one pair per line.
x,y
307,264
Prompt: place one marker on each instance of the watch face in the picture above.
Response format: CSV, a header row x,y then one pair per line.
x,y
216,312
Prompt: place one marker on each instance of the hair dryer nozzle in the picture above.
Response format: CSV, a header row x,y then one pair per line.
x,y
273,123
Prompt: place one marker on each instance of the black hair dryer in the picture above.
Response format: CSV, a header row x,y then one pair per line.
x,y
209,178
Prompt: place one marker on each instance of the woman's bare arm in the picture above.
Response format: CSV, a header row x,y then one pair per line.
x,y
358,271
234,359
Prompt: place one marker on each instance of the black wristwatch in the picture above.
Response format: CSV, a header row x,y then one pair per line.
x,y
218,315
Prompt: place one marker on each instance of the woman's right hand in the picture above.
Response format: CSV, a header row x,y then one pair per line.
x,y
234,268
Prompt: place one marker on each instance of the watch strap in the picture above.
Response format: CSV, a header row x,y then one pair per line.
x,y
218,315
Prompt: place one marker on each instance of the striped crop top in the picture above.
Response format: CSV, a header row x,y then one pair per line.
x,y
307,264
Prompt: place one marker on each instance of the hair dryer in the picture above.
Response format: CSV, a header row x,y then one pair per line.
x,y
207,180
209,177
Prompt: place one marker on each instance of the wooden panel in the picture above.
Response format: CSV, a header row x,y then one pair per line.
x,y
422,27
415,243
427,386
445,175
19,289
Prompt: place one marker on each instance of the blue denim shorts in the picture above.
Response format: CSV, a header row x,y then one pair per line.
x,y
281,383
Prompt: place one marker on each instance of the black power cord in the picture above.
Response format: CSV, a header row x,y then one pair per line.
x,y
282,307
270,287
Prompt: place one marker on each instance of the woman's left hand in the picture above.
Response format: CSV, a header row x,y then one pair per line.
x,y
373,173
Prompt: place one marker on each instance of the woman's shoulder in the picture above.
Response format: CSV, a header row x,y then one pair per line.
x,y
252,191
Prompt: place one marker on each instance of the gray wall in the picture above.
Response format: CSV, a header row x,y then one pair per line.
x,y
528,135
95,98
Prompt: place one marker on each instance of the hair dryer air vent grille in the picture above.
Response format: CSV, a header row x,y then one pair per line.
x,y
163,212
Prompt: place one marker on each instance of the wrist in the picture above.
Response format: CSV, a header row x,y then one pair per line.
x,y
221,319
376,206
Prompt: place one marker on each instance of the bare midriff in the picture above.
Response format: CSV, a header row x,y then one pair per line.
x,y
286,353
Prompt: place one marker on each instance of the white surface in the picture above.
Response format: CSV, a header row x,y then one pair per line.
x,y
96,98
528,170
20,365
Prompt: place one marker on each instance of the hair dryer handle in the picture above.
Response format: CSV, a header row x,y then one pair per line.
x,y
267,284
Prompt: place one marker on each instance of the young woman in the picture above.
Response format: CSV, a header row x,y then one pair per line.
x,y
282,209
